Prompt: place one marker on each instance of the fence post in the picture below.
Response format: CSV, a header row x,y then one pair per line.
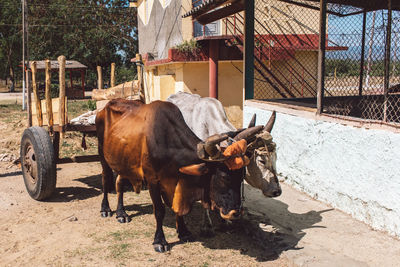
x,y
61,108
321,56
49,107
112,76
38,105
99,78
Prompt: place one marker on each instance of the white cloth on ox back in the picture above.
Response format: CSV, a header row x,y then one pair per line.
x,y
205,116
87,118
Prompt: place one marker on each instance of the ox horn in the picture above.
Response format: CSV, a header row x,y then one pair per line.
x,y
209,148
253,121
270,123
249,133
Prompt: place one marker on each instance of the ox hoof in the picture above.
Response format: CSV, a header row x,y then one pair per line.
x,y
161,247
106,214
123,219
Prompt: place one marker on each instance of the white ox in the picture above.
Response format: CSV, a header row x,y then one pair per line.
x,y
206,116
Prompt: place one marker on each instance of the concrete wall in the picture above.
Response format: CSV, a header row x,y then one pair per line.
x,y
162,29
353,169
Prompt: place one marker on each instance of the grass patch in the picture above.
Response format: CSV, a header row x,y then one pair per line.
x,y
118,251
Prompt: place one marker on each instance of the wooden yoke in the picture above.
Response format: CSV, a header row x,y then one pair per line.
x,y
38,104
61,109
49,108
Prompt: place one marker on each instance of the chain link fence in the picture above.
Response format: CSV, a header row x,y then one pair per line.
x,y
355,77
286,41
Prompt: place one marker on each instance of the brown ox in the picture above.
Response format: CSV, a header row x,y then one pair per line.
x,y
152,141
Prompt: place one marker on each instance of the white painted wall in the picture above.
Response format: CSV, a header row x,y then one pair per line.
x,y
353,169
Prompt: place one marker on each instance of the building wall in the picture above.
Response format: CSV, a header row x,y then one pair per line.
x,y
353,169
159,26
193,78
282,70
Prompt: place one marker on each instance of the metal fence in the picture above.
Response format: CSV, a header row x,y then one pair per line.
x,y
286,40
355,77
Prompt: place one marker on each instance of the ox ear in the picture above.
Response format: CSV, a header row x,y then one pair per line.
x,y
253,121
194,169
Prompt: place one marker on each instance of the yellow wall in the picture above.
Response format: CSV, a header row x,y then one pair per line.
x,y
193,78
307,59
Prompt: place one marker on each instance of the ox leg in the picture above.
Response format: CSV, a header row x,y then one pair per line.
x,y
107,181
159,244
207,229
122,217
183,233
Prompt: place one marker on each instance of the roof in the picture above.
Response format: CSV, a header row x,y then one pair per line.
x,y
207,12
69,64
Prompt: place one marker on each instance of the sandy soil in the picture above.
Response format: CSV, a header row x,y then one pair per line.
x,y
67,230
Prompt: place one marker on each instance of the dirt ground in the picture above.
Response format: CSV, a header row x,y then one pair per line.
x,y
67,230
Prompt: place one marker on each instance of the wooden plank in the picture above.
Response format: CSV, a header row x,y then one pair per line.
x,y
79,159
56,118
81,128
49,107
62,104
38,106
220,13
124,90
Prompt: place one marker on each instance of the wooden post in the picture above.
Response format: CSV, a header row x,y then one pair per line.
x,y
112,76
61,108
321,56
99,78
36,94
140,78
49,108
29,95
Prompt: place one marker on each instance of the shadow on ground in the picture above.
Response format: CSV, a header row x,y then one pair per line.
x,y
257,236
261,236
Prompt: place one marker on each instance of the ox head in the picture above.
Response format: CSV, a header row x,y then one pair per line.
x,y
261,171
226,169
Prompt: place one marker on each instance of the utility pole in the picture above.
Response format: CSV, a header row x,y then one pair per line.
x,y
23,54
28,76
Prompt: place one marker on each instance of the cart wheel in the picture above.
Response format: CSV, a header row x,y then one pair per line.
x,y
38,163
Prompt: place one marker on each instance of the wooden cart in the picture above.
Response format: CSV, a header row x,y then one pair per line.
x,y
40,144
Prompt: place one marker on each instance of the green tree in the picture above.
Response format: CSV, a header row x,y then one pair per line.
x,y
10,40
94,32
